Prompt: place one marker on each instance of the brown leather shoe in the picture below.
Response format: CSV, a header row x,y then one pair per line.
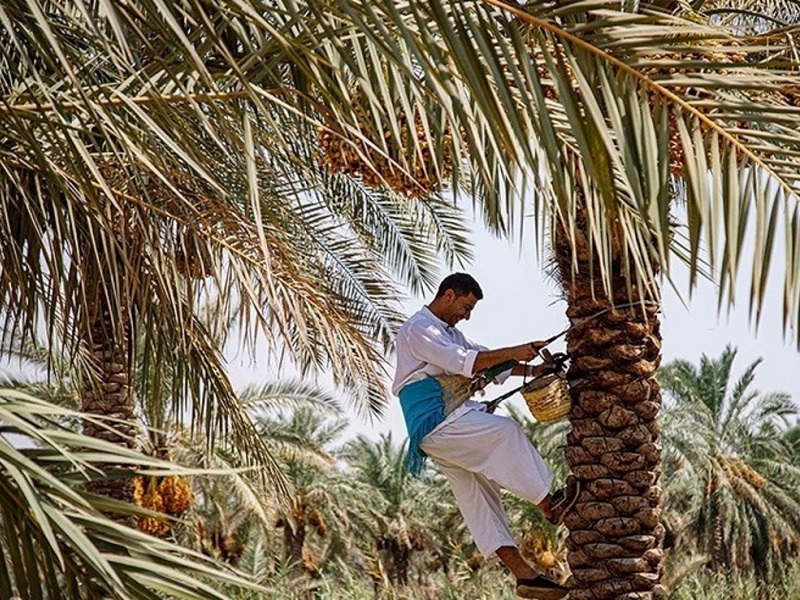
x,y
540,588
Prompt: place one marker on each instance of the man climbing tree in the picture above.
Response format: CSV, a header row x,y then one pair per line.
x,y
478,452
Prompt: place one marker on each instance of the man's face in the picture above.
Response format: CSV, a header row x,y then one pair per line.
x,y
458,307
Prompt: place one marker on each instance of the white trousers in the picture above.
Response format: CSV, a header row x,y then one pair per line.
x,y
479,453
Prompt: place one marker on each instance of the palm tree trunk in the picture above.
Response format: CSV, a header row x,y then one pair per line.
x,y
107,392
614,545
400,557
294,538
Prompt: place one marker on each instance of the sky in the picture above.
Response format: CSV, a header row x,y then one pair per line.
x,y
520,304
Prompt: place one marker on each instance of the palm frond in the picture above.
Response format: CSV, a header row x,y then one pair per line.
x,y
62,529
596,88
728,471
289,394
119,148
235,483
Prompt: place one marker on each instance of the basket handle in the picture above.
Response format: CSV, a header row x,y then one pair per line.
x,y
556,361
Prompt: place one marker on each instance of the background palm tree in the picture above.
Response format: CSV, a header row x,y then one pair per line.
x,y
731,479
401,528
325,501
237,517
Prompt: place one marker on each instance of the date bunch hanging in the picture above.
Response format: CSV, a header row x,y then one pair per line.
x,y
411,159
681,66
170,495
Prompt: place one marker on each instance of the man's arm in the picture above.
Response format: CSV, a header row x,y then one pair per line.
x,y
427,345
521,353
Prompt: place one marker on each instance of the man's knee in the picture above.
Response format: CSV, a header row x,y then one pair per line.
x,y
512,435
511,428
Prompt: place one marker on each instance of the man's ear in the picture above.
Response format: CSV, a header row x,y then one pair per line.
x,y
449,295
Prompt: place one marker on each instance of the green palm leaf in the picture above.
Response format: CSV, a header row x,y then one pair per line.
x,y
51,526
730,481
729,107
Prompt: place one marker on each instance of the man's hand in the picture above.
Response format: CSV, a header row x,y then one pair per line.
x,y
522,354
527,352
537,347
478,383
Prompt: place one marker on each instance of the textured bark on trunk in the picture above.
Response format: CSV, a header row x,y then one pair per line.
x,y
107,392
614,544
108,386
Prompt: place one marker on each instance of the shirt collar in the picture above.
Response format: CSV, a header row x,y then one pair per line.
x,y
427,311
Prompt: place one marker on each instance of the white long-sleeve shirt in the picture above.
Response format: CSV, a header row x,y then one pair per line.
x,y
427,346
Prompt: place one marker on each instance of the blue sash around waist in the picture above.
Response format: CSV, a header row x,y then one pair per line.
x,y
423,410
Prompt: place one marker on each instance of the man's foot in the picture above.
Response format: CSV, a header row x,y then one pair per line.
x,y
540,588
562,500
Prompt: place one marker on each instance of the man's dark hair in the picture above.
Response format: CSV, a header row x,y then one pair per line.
x,y
463,284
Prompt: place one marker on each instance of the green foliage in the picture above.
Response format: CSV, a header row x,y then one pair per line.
x,y
782,584
731,482
56,540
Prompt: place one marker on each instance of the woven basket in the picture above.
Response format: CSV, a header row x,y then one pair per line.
x,y
548,397
456,389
